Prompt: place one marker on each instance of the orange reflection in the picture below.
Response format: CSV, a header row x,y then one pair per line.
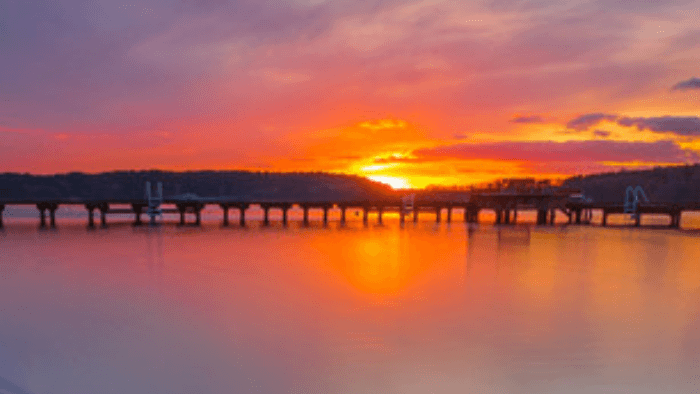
x,y
374,264
376,269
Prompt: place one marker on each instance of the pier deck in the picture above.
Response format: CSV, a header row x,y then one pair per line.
x,y
505,205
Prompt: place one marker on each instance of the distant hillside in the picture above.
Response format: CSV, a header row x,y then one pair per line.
x,y
236,184
662,184
667,184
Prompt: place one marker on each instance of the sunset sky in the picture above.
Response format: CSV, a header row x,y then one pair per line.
x,y
407,92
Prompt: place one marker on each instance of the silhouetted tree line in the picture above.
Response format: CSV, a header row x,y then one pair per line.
x,y
499,185
678,184
235,184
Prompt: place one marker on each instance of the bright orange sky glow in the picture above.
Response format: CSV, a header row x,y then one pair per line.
x,y
409,93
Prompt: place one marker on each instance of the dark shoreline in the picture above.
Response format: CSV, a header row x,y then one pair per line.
x,y
673,185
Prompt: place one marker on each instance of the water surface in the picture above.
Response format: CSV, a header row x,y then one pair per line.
x,y
378,309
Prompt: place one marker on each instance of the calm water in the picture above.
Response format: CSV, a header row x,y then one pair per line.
x,y
420,309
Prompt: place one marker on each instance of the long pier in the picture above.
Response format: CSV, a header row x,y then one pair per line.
x,y
505,206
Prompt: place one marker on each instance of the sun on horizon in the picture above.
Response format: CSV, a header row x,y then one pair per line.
x,y
393,181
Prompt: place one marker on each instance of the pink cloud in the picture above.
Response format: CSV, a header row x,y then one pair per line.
x,y
570,151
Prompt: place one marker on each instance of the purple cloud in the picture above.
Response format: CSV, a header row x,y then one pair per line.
x,y
528,119
601,133
570,151
681,125
584,122
692,83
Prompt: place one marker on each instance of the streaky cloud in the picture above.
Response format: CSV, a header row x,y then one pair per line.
x,y
692,83
584,122
528,119
680,125
591,151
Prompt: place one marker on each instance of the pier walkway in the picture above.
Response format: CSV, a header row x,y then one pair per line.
x,y
504,204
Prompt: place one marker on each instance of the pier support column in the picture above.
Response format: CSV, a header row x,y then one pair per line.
x,y
181,208
42,214
52,214
365,215
402,216
473,215
91,215
379,214
285,211
499,216
138,209
306,215
675,220
325,215
104,207
541,216
197,215
2,208
241,216
605,218
515,215
552,216
415,214
675,213
637,219
225,208
506,216
342,214
578,216
469,213
225,213
266,215
449,214
438,214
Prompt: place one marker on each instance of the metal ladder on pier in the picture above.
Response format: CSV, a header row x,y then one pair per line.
x,y
632,198
154,201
